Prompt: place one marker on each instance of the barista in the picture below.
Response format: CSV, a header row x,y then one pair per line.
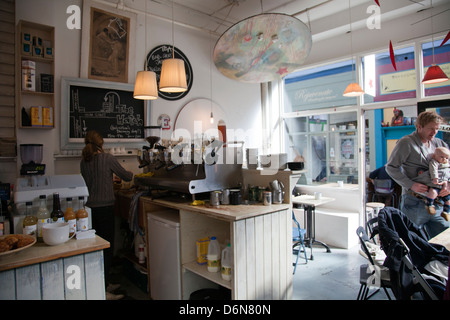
x,y
97,169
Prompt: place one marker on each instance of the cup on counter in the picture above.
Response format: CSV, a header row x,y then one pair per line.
x,y
235,196
226,196
340,183
267,198
317,195
215,197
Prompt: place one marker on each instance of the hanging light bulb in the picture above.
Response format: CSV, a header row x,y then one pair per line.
x,y
173,73
434,73
212,118
145,87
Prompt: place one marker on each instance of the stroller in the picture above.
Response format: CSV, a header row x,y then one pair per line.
x,y
408,253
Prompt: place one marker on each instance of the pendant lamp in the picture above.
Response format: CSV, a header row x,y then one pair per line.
x,y
145,87
173,73
353,89
434,73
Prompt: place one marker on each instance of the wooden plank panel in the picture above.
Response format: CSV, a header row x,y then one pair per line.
x,y
8,285
250,258
240,261
74,275
95,279
275,255
267,244
259,257
283,256
52,280
28,283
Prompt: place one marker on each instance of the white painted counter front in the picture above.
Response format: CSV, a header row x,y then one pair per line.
x,y
72,271
260,238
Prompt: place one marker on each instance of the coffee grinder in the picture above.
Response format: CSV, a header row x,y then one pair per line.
x,y
31,157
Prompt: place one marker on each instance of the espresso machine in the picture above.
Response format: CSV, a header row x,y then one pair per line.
x,y
191,167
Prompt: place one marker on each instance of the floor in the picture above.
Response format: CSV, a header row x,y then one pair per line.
x,y
329,276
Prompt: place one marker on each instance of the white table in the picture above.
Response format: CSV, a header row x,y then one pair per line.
x,y
309,203
442,238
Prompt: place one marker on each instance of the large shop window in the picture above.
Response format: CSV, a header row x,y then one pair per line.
x,y
382,82
328,144
441,58
319,87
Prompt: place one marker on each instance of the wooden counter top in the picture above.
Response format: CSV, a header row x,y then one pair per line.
x,y
222,212
40,252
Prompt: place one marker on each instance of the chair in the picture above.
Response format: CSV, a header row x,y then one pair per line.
x,y
384,190
298,235
373,273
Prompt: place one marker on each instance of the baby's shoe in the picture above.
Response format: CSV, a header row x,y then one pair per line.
x,y
431,209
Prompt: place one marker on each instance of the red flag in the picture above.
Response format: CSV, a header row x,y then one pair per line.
x,y
391,53
378,3
445,39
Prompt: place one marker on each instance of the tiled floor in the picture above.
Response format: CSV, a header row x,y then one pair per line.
x,y
330,276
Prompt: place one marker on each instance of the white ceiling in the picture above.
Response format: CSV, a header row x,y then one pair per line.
x,y
326,18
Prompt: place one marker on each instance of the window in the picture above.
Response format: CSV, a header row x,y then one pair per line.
x,y
319,87
382,82
327,143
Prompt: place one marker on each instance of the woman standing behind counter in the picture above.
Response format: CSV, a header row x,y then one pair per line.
x,y
97,169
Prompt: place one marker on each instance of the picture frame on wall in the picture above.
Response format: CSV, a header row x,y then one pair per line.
x,y
107,43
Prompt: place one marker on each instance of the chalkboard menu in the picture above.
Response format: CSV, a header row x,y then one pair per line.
x,y
154,63
114,113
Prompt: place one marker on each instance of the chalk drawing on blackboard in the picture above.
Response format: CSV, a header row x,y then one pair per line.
x,y
108,107
106,113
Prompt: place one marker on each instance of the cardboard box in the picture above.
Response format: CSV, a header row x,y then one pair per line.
x,y
47,116
46,82
36,117
28,75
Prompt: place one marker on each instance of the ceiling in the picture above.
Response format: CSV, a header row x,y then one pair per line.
x,y
326,18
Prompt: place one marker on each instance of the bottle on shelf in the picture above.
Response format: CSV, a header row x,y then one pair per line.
x,y
30,220
43,215
82,216
57,214
213,256
70,217
226,263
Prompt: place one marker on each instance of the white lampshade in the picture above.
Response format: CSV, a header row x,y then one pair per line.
x,y
353,90
173,76
145,87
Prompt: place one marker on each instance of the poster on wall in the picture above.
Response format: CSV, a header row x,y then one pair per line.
x,y
107,43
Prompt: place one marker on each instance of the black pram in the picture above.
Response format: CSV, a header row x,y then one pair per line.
x,y
407,253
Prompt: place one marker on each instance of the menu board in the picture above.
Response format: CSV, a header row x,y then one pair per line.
x,y
111,111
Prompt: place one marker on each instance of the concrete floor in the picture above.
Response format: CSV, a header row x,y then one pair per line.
x,y
330,276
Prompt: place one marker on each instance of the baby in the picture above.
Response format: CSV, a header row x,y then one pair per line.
x,y
439,174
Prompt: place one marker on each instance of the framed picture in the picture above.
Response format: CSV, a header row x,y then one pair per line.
x,y
107,43
107,107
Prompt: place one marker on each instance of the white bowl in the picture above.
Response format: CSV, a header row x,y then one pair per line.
x,y
55,233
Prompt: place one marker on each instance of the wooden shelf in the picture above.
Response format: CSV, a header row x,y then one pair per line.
x,y
202,270
44,65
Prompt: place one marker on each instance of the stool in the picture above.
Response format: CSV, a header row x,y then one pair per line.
x,y
376,207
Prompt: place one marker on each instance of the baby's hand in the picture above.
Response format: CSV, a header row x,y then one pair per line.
x,y
436,181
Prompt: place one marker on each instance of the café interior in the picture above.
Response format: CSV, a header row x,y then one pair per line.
x,y
268,105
